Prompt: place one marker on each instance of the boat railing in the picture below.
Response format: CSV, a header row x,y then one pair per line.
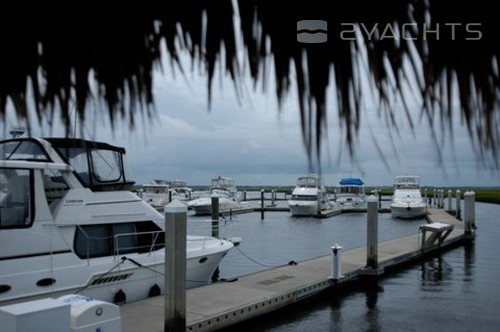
x,y
91,246
142,242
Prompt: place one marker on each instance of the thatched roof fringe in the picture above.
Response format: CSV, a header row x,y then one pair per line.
x,y
456,45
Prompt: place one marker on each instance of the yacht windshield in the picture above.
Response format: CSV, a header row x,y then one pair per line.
x,y
99,166
22,150
310,182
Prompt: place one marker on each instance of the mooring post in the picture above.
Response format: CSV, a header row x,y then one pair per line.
x,y
244,195
170,196
262,204
434,197
469,212
450,208
336,262
318,201
457,197
473,210
372,233
272,197
215,216
175,266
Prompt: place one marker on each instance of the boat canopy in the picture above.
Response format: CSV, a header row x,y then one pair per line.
x,y
223,182
351,182
100,166
407,182
310,181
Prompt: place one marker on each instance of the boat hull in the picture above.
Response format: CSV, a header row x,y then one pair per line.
x,y
298,209
134,276
407,201
351,202
408,211
305,208
203,206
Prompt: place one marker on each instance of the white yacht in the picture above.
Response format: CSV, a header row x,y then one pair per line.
x,y
157,194
407,201
180,189
350,193
222,187
309,196
70,225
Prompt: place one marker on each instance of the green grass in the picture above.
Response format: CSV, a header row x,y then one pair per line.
x,y
487,195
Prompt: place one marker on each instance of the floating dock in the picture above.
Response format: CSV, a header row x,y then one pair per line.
x,y
219,305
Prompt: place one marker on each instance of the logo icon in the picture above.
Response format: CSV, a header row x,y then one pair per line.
x,y
312,31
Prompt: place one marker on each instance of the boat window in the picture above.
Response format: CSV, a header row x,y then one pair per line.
x,y
305,197
117,239
93,241
106,165
351,190
307,182
22,150
77,158
125,238
149,236
55,186
15,198
99,166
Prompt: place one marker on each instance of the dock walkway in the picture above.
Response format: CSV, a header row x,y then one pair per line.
x,y
220,305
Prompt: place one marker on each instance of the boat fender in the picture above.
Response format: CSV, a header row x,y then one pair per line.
x,y
154,290
292,263
120,298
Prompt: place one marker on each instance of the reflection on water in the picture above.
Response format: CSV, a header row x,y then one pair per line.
x,y
434,271
469,255
372,310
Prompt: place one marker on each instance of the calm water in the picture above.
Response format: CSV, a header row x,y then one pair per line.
x,y
459,290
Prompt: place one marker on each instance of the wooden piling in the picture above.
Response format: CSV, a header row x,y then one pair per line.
x,y
175,267
262,204
372,233
457,197
215,216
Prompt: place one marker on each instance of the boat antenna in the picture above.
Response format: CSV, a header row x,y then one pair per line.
x,y
17,132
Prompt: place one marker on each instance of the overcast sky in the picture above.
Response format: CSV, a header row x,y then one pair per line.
x,y
250,140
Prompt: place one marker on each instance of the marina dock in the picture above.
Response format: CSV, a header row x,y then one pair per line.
x,y
223,304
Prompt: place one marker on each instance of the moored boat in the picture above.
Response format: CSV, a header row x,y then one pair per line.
x,y
407,201
70,224
350,193
225,190
309,197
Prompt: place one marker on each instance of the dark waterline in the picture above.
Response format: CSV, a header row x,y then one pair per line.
x,y
454,291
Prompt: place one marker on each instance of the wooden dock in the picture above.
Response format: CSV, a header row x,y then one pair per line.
x,y
223,304
327,213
